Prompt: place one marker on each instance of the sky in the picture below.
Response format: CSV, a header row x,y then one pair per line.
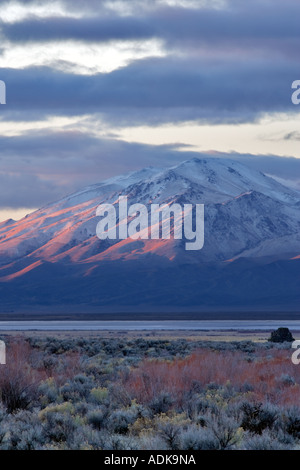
x,y
103,87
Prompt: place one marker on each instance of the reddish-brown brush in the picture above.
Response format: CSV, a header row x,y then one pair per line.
x,y
264,375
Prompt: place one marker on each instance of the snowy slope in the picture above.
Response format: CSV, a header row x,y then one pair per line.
x,y
247,214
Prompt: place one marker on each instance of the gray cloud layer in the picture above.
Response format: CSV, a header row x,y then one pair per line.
x,y
221,65
155,90
45,166
262,20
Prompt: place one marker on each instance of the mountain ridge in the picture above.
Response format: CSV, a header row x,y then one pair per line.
x,y
248,215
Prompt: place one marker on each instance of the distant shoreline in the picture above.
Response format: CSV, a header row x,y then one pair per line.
x,y
144,325
148,316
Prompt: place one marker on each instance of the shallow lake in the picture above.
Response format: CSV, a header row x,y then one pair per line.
x,y
111,325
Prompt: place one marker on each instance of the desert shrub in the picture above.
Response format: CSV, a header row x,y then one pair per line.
x,y
3,425
169,426
23,432
18,381
202,405
195,438
119,395
196,404
98,395
286,345
78,388
281,335
49,364
3,414
151,441
285,439
48,391
287,380
120,442
233,410
65,408
17,393
246,387
25,437
210,370
213,386
95,369
162,403
257,417
86,438
170,434
98,417
120,420
94,393
59,427
54,346
113,347
81,408
225,429
68,366
291,421
3,434
245,346
266,441
30,438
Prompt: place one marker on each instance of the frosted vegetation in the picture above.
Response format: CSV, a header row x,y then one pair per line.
x,y
152,394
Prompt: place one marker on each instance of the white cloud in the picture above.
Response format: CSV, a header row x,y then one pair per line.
x,y
14,214
256,137
15,11
194,3
15,128
79,58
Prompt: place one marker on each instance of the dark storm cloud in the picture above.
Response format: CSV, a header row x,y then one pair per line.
x,y
84,29
25,190
154,91
259,25
233,64
43,166
226,65
79,148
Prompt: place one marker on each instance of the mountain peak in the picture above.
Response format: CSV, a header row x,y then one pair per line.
x,y
247,215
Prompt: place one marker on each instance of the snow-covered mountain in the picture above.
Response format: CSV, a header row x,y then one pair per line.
x,y
248,216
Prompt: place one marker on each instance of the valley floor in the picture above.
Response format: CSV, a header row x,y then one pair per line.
x,y
149,390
